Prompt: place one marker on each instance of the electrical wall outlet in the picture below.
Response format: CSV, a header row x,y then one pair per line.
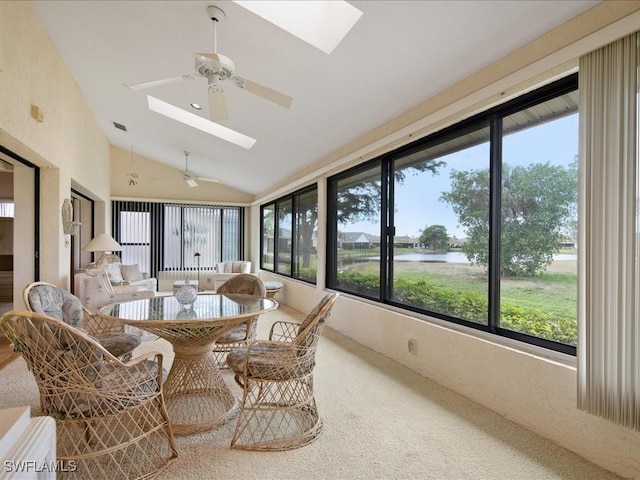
x,y
413,346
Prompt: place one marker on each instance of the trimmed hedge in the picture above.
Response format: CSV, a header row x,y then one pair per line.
x,y
471,306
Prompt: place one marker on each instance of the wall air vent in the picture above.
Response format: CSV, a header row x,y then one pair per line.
x,y
120,126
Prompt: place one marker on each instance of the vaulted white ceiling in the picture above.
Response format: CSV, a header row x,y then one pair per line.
x,y
399,54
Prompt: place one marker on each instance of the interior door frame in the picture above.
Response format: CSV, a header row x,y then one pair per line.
x,y
25,201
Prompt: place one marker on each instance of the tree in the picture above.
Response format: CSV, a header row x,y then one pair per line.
x,y
435,238
193,234
538,203
361,199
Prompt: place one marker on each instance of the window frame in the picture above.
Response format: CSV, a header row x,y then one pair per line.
x,y
158,225
294,199
493,118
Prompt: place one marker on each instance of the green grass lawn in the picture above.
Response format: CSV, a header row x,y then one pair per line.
x,y
554,292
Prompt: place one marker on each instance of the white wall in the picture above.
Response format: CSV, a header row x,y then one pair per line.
x,y
163,182
530,386
68,145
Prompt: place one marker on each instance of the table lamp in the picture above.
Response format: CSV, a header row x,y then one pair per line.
x,y
104,243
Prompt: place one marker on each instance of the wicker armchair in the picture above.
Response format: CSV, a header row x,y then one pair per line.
x,y
111,420
48,299
278,410
246,284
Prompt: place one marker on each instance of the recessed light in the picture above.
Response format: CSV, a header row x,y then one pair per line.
x,y
195,121
195,105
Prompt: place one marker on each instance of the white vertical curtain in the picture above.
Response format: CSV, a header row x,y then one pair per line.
x,y
609,241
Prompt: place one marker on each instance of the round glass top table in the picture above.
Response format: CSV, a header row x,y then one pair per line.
x,y
196,395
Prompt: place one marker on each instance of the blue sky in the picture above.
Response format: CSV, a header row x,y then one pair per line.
x,y
418,199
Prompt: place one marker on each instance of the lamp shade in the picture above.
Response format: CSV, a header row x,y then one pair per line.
x,y
102,242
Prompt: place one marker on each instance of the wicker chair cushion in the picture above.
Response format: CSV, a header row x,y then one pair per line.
x,y
57,303
117,344
268,361
66,307
140,378
73,362
236,334
121,391
312,315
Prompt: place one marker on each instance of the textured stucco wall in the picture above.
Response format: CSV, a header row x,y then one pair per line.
x,y
68,145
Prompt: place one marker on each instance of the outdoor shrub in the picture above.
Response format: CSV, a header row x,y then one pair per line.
x,y
471,306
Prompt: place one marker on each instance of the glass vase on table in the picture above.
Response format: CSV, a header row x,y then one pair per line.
x,y
186,295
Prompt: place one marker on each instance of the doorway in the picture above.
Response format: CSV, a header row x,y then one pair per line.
x,y
18,229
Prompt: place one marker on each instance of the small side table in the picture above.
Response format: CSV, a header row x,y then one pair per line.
x,y
272,288
181,283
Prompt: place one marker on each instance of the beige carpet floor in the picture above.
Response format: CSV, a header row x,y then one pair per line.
x,y
381,421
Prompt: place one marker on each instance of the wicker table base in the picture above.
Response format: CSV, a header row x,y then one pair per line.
x,y
195,393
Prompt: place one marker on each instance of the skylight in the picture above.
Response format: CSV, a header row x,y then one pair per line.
x,y
207,126
320,23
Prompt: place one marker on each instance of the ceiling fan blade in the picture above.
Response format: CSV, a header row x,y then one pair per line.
x,y
155,83
264,92
218,106
212,180
190,180
212,58
174,177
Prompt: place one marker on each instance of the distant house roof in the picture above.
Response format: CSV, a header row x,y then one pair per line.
x,y
405,239
358,237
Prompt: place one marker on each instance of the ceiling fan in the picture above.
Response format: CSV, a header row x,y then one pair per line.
x,y
189,177
217,68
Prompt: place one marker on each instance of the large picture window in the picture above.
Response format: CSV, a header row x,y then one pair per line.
x,y
289,230
167,236
475,224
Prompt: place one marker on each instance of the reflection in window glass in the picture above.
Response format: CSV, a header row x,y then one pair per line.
x,y
441,217
268,236
358,198
538,253
200,234
306,213
283,244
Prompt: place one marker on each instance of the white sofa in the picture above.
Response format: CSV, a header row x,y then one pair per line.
x,y
209,279
94,289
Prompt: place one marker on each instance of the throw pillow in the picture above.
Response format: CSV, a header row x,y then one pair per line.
x,y
104,278
131,273
240,267
114,272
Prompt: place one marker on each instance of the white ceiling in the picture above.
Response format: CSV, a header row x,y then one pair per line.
x,y
399,54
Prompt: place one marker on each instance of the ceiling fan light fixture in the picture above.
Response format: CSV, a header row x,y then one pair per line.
x,y
202,124
214,84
